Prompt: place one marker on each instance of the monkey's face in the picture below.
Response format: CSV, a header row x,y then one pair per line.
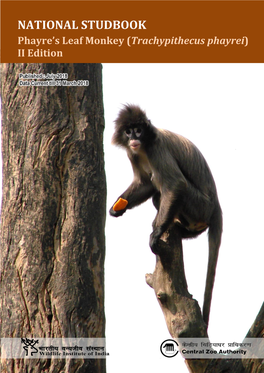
x,y
134,136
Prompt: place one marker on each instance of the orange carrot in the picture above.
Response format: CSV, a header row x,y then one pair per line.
x,y
120,204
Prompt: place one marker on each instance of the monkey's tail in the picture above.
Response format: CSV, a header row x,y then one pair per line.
x,y
215,233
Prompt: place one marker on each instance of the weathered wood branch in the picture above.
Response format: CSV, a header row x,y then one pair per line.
x,y
242,365
182,313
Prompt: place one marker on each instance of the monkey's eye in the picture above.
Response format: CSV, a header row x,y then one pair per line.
x,y
138,132
128,132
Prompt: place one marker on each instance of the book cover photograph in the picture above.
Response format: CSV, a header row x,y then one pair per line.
x,y
131,191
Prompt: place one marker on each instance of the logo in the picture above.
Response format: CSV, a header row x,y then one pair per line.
x,y
169,348
29,345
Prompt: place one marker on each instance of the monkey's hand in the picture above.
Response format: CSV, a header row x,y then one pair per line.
x,y
154,240
114,213
118,208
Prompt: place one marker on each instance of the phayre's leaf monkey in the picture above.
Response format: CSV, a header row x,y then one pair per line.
x,y
170,169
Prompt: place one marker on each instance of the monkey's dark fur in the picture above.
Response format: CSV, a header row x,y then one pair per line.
x,y
170,169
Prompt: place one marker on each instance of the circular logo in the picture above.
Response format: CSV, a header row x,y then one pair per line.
x,y
169,348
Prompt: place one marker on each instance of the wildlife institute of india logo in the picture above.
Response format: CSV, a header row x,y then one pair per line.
x,y
29,346
83,348
169,348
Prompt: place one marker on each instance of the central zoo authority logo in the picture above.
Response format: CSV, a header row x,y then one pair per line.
x,y
169,348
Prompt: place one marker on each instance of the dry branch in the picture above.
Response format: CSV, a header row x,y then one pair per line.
x,y
182,313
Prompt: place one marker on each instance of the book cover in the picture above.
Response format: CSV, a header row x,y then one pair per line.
x,y
196,69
